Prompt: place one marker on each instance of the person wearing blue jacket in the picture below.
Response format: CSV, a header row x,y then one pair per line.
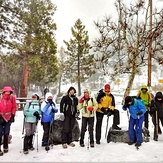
x,y
136,109
32,112
48,109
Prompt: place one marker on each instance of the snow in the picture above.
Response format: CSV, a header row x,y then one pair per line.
x,y
105,152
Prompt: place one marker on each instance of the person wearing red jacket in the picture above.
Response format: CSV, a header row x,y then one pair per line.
x,y
7,115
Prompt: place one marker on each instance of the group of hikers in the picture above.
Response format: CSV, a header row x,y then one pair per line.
x,y
139,108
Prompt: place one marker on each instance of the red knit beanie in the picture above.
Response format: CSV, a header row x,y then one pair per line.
x,y
107,86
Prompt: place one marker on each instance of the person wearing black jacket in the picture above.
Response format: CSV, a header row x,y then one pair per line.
x,y
68,106
106,106
156,111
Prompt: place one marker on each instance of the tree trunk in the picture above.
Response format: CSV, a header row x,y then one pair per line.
x,y
24,83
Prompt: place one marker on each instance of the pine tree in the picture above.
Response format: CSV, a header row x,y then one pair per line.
x,y
79,60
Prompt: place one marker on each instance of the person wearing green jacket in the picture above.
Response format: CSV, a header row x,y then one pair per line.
x,y
89,106
32,113
146,97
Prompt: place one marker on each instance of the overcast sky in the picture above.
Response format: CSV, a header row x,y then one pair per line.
x,y
68,11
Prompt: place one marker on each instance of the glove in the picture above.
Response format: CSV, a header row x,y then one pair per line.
x,y
81,100
12,119
50,101
37,115
54,110
90,108
109,112
104,111
139,113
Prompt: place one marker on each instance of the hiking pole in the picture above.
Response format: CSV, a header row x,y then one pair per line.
x,y
138,129
156,123
37,134
88,132
23,126
106,126
128,115
88,139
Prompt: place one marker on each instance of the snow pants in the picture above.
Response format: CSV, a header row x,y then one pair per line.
x,y
135,129
68,125
90,122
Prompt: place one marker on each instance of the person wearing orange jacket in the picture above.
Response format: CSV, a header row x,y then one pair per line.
x,y
7,116
106,106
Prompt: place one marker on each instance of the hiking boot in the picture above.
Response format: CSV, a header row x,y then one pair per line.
x,y
5,150
98,142
82,145
131,143
64,146
115,127
155,138
31,148
72,144
1,153
92,145
44,144
25,152
138,144
47,148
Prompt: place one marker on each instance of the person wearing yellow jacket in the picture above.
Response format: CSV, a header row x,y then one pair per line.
x,y
88,105
106,106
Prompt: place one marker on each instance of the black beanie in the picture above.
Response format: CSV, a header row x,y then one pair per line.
x,y
128,99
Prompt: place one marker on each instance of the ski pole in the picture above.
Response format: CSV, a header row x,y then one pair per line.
x,y
106,127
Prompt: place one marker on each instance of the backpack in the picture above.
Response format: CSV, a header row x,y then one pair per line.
x,y
30,103
137,98
96,95
139,94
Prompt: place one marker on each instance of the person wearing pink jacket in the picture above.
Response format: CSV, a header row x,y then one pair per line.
x,y
7,115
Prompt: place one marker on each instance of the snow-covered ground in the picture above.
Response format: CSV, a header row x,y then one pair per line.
x,y
105,152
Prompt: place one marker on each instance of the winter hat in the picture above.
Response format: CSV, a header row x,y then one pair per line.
x,y
36,94
7,88
71,88
107,86
87,90
144,87
128,99
159,95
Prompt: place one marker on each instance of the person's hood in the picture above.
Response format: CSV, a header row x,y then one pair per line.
x,y
71,89
144,87
158,95
48,94
87,90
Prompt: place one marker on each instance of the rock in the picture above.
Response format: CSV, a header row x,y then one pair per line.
x,y
57,132
122,135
